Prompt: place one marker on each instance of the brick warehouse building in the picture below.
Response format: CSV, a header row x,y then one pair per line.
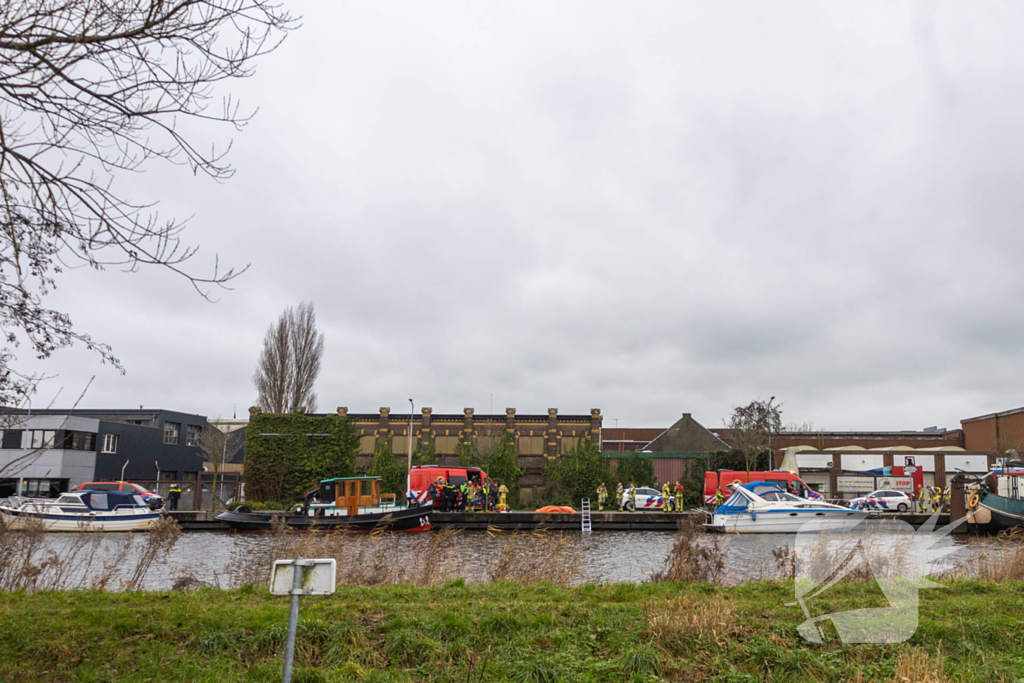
x,y
538,437
1000,432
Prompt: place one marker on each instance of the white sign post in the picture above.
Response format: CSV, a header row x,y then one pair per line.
x,y
300,577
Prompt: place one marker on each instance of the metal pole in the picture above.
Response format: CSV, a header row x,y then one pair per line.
x,y
408,469
293,621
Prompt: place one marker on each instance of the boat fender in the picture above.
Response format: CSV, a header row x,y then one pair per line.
x,y
973,501
753,516
982,516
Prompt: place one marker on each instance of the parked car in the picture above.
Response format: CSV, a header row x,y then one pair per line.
x,y
153,500
883,500
646,499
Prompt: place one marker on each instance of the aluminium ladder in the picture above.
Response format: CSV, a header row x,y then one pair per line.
x,y
585,516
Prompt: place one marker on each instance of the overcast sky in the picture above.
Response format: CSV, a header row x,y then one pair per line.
x,y
648,208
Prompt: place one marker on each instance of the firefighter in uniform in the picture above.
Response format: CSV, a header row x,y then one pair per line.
x,y
632,497
618,496
175,496
602,496
936,499
719,498
463,494
678,505
666,498
502,495
486,491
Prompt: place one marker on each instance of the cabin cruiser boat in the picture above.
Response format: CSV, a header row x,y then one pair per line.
x,y
343,504
763,507
82,511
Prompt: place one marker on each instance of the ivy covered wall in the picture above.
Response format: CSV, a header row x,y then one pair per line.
x,y
286,455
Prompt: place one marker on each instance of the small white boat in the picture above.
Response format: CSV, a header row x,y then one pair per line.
x,y
763,508
82,511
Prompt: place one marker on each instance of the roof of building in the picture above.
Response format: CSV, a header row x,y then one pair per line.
x,y
989,416
686,436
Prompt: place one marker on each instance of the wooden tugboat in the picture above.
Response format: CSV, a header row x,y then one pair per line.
x,y
343,504
998,501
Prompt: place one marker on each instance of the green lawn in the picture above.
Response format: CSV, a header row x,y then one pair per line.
x,y
971,631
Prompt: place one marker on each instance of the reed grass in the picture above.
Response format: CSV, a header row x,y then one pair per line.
x,y
30,561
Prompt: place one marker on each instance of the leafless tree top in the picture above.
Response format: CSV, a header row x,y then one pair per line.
x,y
90,89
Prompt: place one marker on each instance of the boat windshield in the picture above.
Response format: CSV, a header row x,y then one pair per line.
x,y
69,500
776,496
737,501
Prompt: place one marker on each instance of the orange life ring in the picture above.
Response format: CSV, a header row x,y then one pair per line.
x,y
736,482
973,500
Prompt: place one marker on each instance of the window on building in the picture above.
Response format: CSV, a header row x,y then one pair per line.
x,y
79,441
140,423
171,430
110,443
11,439
192,435
40,438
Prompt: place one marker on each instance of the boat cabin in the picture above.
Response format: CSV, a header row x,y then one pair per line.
x,y
350,493
99,501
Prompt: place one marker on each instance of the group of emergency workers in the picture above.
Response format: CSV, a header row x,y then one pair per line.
x,y
933,498
672,497
485,496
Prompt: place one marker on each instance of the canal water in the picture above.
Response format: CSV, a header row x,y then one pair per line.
x,y
225,559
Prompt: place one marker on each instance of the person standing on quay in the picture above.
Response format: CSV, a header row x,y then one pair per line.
x,y
602,496
174,496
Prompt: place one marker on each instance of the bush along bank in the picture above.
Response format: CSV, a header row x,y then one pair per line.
x,y
971,631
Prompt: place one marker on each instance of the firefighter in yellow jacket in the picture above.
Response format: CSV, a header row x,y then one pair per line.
x,y
666,498
602,496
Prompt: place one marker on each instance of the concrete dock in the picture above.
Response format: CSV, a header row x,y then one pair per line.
x,y
528,521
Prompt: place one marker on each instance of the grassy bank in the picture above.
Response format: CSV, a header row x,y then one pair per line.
x,y
971,631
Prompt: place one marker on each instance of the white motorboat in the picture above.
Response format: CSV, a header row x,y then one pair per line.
x,y
82,511
761,507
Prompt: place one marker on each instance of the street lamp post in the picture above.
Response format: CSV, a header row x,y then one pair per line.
x,y
771,456
408,477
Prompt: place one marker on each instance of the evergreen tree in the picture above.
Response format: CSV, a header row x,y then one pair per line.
x,y
393,477
636,469
579,471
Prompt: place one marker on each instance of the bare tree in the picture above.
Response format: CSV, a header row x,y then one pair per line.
x,y
289,363
273,376
218,448
307,353
751,428
90,90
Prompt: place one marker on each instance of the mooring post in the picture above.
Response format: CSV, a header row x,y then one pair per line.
x,y
293,619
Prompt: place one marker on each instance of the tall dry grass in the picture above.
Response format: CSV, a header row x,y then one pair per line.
x,y
1002,559
387,559
919,666
379,559
695,556
536,557
677,622
30,558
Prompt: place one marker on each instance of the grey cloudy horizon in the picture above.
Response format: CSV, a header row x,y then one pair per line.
x,y
654,209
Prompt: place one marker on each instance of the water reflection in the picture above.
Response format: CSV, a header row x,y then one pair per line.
x,y
608,556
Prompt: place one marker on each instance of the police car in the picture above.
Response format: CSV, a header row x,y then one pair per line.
x,y
884,501
646,499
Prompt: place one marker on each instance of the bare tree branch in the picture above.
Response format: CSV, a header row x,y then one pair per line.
x,y
90,89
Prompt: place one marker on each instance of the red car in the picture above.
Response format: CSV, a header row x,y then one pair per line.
x,y
153,500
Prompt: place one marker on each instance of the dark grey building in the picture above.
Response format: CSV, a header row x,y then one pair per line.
x,y
46,451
